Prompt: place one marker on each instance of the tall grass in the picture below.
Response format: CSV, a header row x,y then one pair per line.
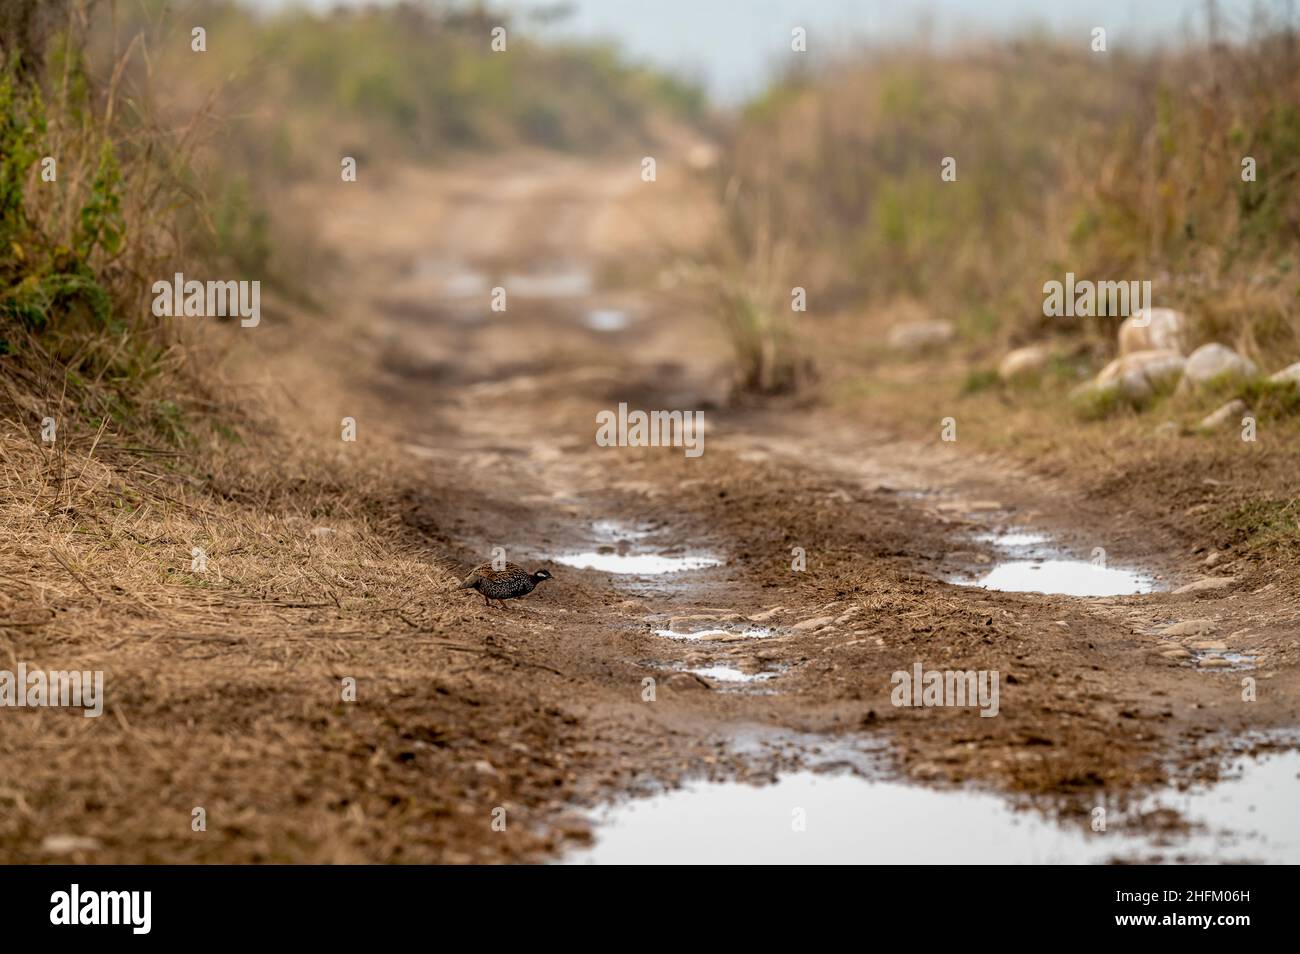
x,y
1111,165
87,214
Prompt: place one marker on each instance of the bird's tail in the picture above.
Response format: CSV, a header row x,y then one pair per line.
x,y
468,582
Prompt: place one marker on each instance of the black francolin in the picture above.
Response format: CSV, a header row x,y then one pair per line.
x,y
507,583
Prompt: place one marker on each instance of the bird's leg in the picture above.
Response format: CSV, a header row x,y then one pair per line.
x,y
503,604
486,601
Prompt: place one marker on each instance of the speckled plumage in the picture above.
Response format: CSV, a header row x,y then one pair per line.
x,y
510,582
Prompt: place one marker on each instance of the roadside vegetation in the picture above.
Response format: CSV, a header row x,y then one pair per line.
x,y
1118,165
926,297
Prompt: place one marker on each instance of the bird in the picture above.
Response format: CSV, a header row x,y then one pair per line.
x,y
507,583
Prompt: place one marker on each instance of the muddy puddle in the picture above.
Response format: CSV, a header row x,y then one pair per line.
x,y
1027,561
1063,578
840,818
636,564
715,634
620,548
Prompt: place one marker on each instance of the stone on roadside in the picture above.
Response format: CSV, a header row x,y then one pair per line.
x,y
1230,413
1141,374
1206,585
915,337
1191,627
766,615
1023,364
686,681
68,844
1214,360
1288,375
1154,329
808,625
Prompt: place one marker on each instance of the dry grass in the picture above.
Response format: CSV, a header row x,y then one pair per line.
x,y
1122,165
224,688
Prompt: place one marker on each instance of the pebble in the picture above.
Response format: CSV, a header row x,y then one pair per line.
x,y
1209,583
68,844
1191,627
810,624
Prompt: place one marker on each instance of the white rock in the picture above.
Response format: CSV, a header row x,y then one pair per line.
x,y
1212,360
811,624
1230,413
1288,375
68,844
1209,583
1154,329
1023,363
917,336
1093,389
1142,373
1191,627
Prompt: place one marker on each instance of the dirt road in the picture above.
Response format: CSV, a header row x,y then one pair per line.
x,y
500,408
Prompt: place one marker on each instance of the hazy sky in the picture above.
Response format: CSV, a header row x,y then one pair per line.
x,y
731,44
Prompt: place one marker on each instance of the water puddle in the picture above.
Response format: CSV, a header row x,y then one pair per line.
x,y
1030,563
1063,577
724,673
1222,659
637,564
606,319
824,818
617,530
1012,540
716,635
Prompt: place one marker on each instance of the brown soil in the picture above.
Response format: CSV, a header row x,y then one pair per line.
x,y
488,421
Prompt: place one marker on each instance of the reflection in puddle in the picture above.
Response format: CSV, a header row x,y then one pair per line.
x,y
618,530
1220,659
606,319
847,819
1064,577
716,635
722,673
1013,540
642,564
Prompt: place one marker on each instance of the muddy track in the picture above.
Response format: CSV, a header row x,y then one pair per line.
x,y
499,408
